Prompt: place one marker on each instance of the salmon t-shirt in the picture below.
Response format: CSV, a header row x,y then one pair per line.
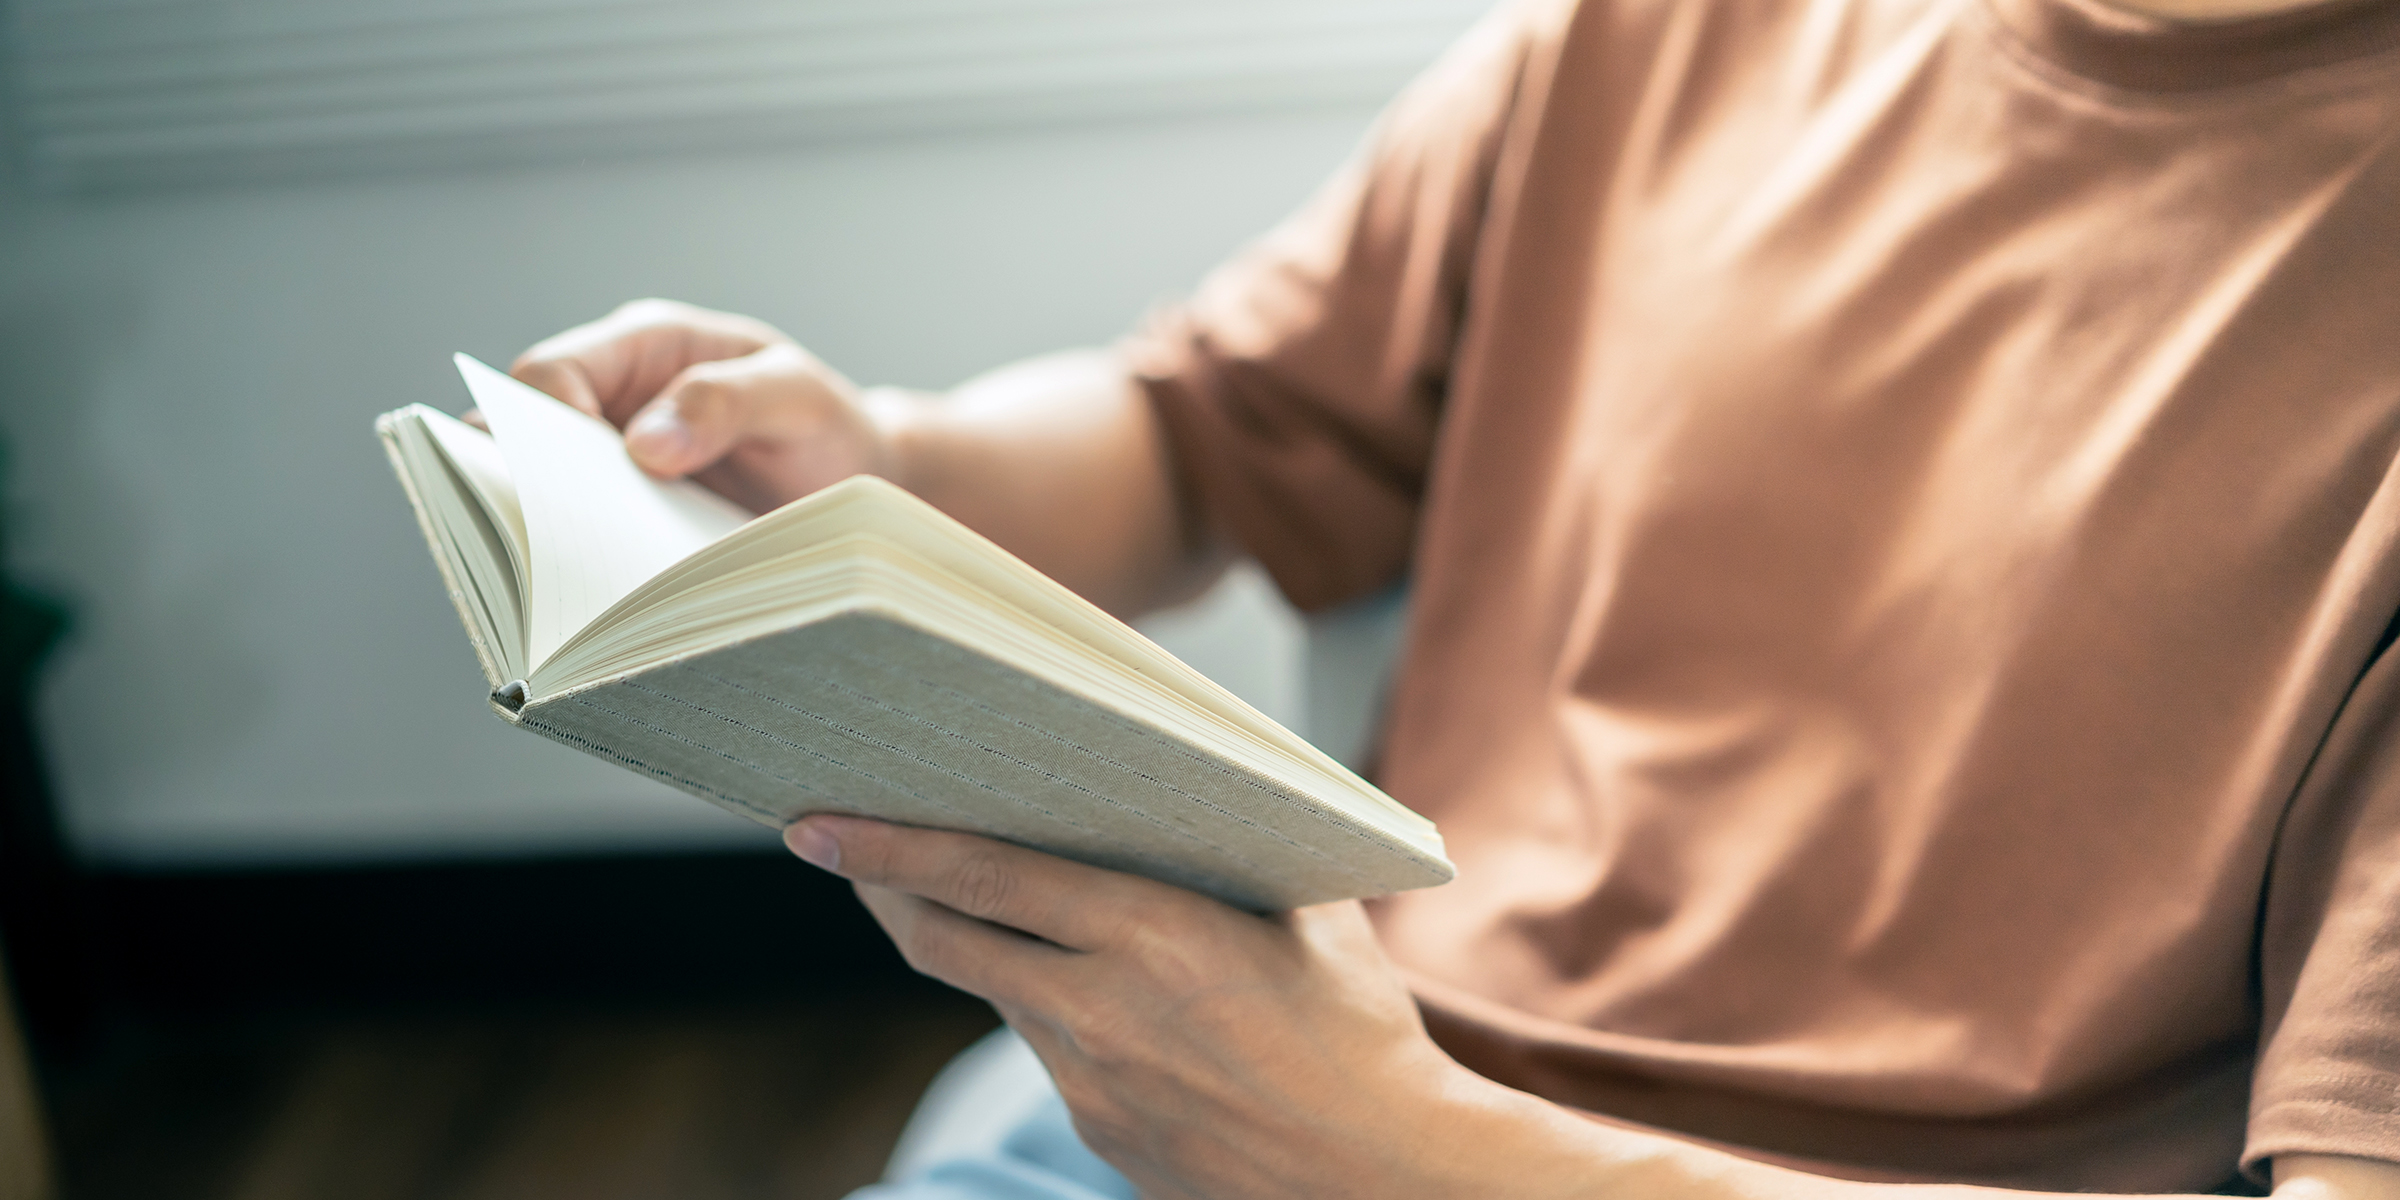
x,y
1901,501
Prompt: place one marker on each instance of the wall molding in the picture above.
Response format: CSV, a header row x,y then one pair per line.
x,y
114,93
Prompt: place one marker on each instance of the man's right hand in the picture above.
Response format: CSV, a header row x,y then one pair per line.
x,y
725,399
1058,458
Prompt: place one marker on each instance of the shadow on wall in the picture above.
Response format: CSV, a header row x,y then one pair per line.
x,y
143,606
266,671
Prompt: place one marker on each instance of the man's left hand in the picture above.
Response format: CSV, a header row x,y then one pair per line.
x,y
1204,1051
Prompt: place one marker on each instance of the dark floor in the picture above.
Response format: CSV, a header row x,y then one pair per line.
x,y
790,1100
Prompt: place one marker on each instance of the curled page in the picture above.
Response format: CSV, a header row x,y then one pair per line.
x,y
596,527
485,470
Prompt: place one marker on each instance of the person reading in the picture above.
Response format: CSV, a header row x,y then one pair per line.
x,y
1902,506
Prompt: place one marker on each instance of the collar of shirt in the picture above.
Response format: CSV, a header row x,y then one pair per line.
x,y
2154,54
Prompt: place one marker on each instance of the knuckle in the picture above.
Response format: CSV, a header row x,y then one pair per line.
x,y
787,360
544,362
749,329
653,310
1078,1091
982,886
866,856
1172,959
1103,1035
922,958
928,949
1122,927
915,953
715,393
1099,1123
701,388
1218,1013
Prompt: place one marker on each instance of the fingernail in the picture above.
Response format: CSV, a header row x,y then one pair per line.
x,y
814,846
657,434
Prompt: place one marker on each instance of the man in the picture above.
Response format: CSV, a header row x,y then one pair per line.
x,y
1902,500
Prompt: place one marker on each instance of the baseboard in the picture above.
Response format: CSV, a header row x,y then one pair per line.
x,y
590,930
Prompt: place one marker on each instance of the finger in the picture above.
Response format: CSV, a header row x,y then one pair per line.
x,y
778,393
1073,905
610,366
1001,965
564,378
474,417
1337,924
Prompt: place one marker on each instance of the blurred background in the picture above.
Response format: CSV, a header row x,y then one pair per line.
x,y
287,912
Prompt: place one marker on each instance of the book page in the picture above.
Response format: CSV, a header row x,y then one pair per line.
x,y
702,602
479,461
865,504
596,527
468,547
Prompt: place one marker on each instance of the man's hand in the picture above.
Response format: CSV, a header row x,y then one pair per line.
x,y
2331,1177
1059,458
1203,1051
723,398
1207,1052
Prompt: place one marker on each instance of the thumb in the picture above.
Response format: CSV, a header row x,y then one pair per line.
x,y
709,408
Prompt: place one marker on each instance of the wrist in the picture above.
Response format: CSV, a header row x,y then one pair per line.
x,y
901,436
1474,1130
1479,1130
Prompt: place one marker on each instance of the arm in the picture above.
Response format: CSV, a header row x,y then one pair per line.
x,y
1345,321
1207,1052
1060,459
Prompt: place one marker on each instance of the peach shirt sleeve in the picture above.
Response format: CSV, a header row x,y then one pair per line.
x,y
2328,1074
1303,388
1302,384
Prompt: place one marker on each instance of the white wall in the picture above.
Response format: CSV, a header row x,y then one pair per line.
x,y
263,667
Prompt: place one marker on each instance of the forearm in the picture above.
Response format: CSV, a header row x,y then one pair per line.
x,y
1061,460
1513,1132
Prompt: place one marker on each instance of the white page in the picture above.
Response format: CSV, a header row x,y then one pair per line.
x,y
596,527
882,510
479,460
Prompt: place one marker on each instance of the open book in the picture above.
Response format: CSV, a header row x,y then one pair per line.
x,y
859,651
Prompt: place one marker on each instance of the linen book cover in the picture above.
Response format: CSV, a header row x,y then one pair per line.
x,y
859,651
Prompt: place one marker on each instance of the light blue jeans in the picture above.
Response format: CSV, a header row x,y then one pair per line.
x,y
991,1127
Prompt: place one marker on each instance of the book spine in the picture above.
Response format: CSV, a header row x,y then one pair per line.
x,y
487,659
508,700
